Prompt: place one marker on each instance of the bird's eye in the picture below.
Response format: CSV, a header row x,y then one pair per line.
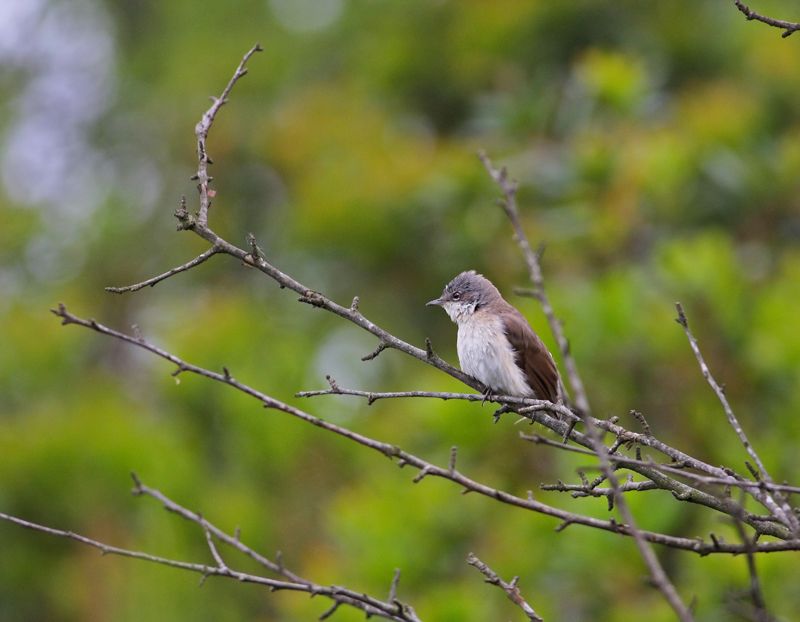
x,y
457,296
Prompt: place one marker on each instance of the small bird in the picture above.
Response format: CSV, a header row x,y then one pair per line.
x,y
496,345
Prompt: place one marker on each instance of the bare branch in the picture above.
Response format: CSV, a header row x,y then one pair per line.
x,y
371,606
787,27
776,503
373,396
201,131
509,205
157,279
588,490
511,589
405,458
537,413
760,611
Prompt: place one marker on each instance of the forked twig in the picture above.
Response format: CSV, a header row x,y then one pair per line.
x,y
510,588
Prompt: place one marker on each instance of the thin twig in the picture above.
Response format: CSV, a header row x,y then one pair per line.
x,y
201,132
787,27
510,588
777,504
157,279
760,611
509,204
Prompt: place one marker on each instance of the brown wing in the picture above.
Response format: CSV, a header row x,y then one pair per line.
x,y
532,356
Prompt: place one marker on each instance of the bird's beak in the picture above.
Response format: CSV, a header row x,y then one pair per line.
x,y
434,302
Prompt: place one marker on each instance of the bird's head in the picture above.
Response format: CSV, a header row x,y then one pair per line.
x,y
465,294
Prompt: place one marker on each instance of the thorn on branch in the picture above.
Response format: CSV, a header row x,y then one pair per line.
x,y
332,383
421,475
381,346
429,353
642,422
185,219
393,586
568,432
453,455
753,471
256,254
330,611
681,319
138,489
354,304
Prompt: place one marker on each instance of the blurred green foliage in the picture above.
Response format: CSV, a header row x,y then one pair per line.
x,y
657,149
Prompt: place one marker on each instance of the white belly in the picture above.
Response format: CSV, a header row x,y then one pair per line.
x,y
484,353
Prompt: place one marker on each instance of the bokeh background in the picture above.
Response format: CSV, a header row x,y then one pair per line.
x,y
658,150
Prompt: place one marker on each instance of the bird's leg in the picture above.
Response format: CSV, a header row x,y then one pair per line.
x,y
487,395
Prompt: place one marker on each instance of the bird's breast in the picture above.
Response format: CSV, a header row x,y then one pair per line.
x,y
485,354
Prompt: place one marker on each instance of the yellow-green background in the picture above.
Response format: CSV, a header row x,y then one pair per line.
x,y
658,149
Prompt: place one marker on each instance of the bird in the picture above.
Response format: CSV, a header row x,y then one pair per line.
x,y
495,343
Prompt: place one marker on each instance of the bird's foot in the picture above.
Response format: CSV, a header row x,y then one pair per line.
x,y
505,408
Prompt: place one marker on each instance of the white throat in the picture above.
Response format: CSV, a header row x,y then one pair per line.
x,y
459,312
